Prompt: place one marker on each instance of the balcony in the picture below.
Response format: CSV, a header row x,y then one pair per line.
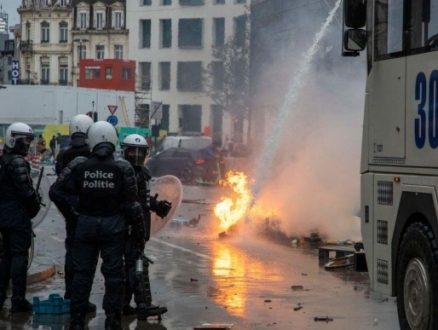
x,y
45,82
62,82
26,45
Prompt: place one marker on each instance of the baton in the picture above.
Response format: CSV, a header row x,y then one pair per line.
x,y
40,177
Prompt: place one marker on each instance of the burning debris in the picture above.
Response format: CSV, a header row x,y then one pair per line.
x,y
231,210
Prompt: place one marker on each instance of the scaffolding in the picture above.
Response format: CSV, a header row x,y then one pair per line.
x,y
143,101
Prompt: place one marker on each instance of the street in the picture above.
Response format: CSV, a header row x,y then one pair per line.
x,y
243,280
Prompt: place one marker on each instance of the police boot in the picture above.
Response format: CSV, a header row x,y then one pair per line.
x,y
144,311
77,321
20,304
113,321
127,309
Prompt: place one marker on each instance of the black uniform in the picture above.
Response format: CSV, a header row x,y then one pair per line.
x,y
78,148
19,203
141,286
107,192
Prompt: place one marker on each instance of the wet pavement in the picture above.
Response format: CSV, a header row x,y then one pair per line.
x,y
243,280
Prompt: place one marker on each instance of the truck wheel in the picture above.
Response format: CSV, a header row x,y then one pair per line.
x,y
417,279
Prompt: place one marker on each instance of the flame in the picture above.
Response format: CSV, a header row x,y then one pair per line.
x,y
229,211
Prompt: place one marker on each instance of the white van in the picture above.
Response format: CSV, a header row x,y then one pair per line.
x,y
187,142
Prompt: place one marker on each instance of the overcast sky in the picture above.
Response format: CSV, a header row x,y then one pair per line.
x,y
10,7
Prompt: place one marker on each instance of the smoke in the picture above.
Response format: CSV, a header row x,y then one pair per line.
x,y
311,180
314,179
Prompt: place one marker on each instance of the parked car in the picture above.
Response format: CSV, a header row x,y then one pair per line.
x,y
188,165
187,142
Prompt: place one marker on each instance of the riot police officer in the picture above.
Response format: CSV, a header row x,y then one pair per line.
x,y
78,147
19,204
135,149
107,193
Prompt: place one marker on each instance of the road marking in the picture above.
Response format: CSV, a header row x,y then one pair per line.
x,y
182,249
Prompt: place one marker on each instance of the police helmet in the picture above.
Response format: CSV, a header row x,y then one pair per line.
x,y
102,132
79,125
19,136
135,149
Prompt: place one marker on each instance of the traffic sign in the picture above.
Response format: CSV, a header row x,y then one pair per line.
x,y
112,108
112,120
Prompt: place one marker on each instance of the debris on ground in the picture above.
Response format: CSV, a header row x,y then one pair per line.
x,y
314,238
185,222
340,262
298,307
268,301
213,326
323,319
297,287
193,280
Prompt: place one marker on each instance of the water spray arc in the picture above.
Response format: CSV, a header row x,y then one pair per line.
x,y
273,141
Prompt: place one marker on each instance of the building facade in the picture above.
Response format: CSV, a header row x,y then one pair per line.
x,y
57,34
172,41
45,42
99,33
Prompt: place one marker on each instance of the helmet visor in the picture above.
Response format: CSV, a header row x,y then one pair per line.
x,y
136,155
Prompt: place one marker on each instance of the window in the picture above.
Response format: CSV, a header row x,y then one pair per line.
x,y
219,31
126,73
404,28
45,32
109,73
63,3
145,76
9,75
191,2
45,74
63,74
190,33
191,118
240,1
118,52
165,75
147,2
99,21
83,21
165,117
63,32
219,2
118,20
166,33
82,52
189,76
240,30
9,60
10,45
92,72
146,33
100,52
218,74
28,30
167,2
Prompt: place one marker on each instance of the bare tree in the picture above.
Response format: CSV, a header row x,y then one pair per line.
x,y
226,79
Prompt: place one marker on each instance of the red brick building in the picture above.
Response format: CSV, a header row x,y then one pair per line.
x,y
107,74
